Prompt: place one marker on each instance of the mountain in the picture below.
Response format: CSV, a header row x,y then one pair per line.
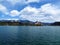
x,y
46,24
27,22
56,24
20,22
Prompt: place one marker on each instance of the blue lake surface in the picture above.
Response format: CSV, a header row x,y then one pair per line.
x,y
29,35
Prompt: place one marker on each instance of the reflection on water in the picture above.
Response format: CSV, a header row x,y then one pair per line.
x,y
29,35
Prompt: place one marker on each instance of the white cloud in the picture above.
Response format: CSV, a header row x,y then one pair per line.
x,y
14,13
13,2
22,1
29,11
3,9
12,19
46,13
52,10
28,1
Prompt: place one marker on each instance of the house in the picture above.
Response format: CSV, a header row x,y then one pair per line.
x,y
38,23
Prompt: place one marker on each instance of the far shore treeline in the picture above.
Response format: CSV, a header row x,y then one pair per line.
x,y
26,23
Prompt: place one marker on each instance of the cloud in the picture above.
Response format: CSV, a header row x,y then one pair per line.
x,y
12,19
28,1
52,10
13,2
14,13
29,11
3,9
46,13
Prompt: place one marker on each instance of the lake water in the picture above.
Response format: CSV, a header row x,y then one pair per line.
x,y
29,35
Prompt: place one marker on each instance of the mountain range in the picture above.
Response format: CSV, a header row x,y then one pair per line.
x,y
27,22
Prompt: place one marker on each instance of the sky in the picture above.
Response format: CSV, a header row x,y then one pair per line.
x,y
32,10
